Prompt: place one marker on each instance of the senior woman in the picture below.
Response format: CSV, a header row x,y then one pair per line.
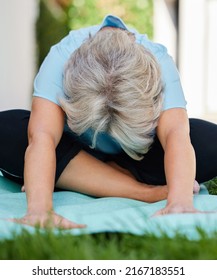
x,y
108,118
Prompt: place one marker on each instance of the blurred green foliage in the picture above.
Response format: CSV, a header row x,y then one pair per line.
x,y
57,17
51,26
137,13
211,186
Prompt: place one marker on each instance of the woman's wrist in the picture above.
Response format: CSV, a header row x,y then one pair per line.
x,y
39,209
184,203
39,203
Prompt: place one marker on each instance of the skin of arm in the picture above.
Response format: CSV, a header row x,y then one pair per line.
x,y
84,173
179,161
44,133
45,130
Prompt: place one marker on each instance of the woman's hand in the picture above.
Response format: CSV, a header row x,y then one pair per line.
x,y
180,207
176,209
47,220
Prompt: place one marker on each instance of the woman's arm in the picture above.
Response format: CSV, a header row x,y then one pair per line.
x,y
84,173
44,133
180,166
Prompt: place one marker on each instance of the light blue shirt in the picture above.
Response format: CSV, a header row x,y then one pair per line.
x,y
48,83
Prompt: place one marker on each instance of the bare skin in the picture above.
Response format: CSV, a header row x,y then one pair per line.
x,y
88,175
111,181
119,181
91,176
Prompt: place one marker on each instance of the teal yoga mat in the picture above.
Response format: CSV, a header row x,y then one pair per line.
x,y
110,214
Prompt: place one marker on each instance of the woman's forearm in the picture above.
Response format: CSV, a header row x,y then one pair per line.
x,y
180,169
39,174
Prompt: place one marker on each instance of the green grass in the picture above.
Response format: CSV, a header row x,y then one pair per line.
x,y
212,186
48,245
61,246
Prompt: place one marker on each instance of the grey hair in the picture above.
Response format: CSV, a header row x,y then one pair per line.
x,y
112,84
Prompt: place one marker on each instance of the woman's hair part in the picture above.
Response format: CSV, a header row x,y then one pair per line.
x,y
112,84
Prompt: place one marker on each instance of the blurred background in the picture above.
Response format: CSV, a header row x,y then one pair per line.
x,y
188,28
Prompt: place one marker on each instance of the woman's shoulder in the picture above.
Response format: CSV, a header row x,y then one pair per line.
x,y
158,50
74,40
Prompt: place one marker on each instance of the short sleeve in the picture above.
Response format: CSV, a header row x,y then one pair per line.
x,y
173,92
48,82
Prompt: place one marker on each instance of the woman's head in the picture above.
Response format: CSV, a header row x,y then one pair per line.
x,y
112,84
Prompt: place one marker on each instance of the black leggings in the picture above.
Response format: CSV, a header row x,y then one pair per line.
x,y
150,170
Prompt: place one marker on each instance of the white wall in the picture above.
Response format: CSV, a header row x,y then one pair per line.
x,y
191,53
17,52
165,30
197,55
211,58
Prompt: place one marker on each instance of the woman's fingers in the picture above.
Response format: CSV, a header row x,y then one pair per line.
x,y
47,220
